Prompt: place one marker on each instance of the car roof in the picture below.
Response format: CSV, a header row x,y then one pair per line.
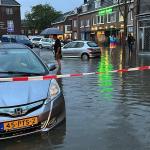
x,y
12,46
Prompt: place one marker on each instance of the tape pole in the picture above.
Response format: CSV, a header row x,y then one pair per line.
x,y
49,77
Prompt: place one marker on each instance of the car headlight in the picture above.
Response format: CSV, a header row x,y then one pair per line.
x,y
54,90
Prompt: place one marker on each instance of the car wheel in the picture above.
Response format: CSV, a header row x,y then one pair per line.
x,y
85,56
40,46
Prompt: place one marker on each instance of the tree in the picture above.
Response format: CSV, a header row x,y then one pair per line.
x,y
41,17
124,8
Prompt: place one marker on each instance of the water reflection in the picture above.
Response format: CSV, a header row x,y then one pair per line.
x,y
105,79
47,141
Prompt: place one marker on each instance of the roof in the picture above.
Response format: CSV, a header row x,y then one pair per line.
x,y
12,46
64,16
9,2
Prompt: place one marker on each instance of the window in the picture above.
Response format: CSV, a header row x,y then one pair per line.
x,y
108,18
75,23
84,8
92,44
97,4
111,17
87,22
10,24
9,11
70,45
120,17
131,14
82,23
94,20
79,45
75,35
100,19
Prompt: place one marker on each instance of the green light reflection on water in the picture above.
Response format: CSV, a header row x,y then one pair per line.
x,y
105,79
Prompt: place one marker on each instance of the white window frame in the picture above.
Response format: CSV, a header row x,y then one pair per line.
x,y
94,20
112,21
75,23
107,18
81,23
131,15
87,23
101,19
10,23
114,13
9,11
120,15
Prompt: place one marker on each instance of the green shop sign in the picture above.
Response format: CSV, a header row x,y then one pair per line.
x,y
104,11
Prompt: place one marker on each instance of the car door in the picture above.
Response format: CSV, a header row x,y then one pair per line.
x,y
44,42
67,50
77,49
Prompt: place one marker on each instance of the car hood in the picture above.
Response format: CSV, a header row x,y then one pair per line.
x,y
18,93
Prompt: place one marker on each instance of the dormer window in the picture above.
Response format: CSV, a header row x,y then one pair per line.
x,y
97,3
115,1
84,7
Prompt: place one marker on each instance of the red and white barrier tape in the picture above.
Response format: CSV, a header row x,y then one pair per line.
x,y
48,77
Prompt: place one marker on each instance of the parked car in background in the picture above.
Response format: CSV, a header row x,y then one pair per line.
x,y
36,41
82,49
27,107
18,39
46,43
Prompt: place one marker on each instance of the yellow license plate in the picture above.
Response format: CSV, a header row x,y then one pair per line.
x,y
18,124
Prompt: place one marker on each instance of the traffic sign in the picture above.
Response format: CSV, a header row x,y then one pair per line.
x,y
10,29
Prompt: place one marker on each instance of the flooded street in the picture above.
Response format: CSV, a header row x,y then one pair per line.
x,y
108,111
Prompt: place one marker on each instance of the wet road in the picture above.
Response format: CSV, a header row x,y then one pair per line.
x,y
105,112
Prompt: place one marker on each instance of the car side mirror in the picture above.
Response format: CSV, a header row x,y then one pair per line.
x,y
51,67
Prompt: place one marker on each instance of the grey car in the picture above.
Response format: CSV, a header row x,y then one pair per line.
x,y
82,49
35,41
32,106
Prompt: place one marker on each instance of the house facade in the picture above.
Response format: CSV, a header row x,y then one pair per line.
x,y
143,25
68,24
98,19
10,18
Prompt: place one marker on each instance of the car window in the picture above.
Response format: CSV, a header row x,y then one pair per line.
x,y
79,44
21,37
70,45
20,60
36,39
92,44
47,40
43,40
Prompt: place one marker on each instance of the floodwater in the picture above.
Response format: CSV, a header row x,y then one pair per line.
x,y
109,111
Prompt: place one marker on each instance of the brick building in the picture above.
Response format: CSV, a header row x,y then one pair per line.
x,y
97,19
10,18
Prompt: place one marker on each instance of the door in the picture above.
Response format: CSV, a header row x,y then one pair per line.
x,y
146,39
67,50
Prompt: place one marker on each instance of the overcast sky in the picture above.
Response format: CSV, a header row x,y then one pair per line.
x,y
59,5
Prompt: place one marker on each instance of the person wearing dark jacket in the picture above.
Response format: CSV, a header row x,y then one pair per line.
x,y
57,50
130,41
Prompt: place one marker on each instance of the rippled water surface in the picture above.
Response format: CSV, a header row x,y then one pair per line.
x,y
109,111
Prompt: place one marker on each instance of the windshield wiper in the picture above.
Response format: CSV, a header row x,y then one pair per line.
x,y
22,73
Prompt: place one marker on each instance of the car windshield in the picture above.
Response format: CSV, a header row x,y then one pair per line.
x,y
19,61
21,37
92,44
